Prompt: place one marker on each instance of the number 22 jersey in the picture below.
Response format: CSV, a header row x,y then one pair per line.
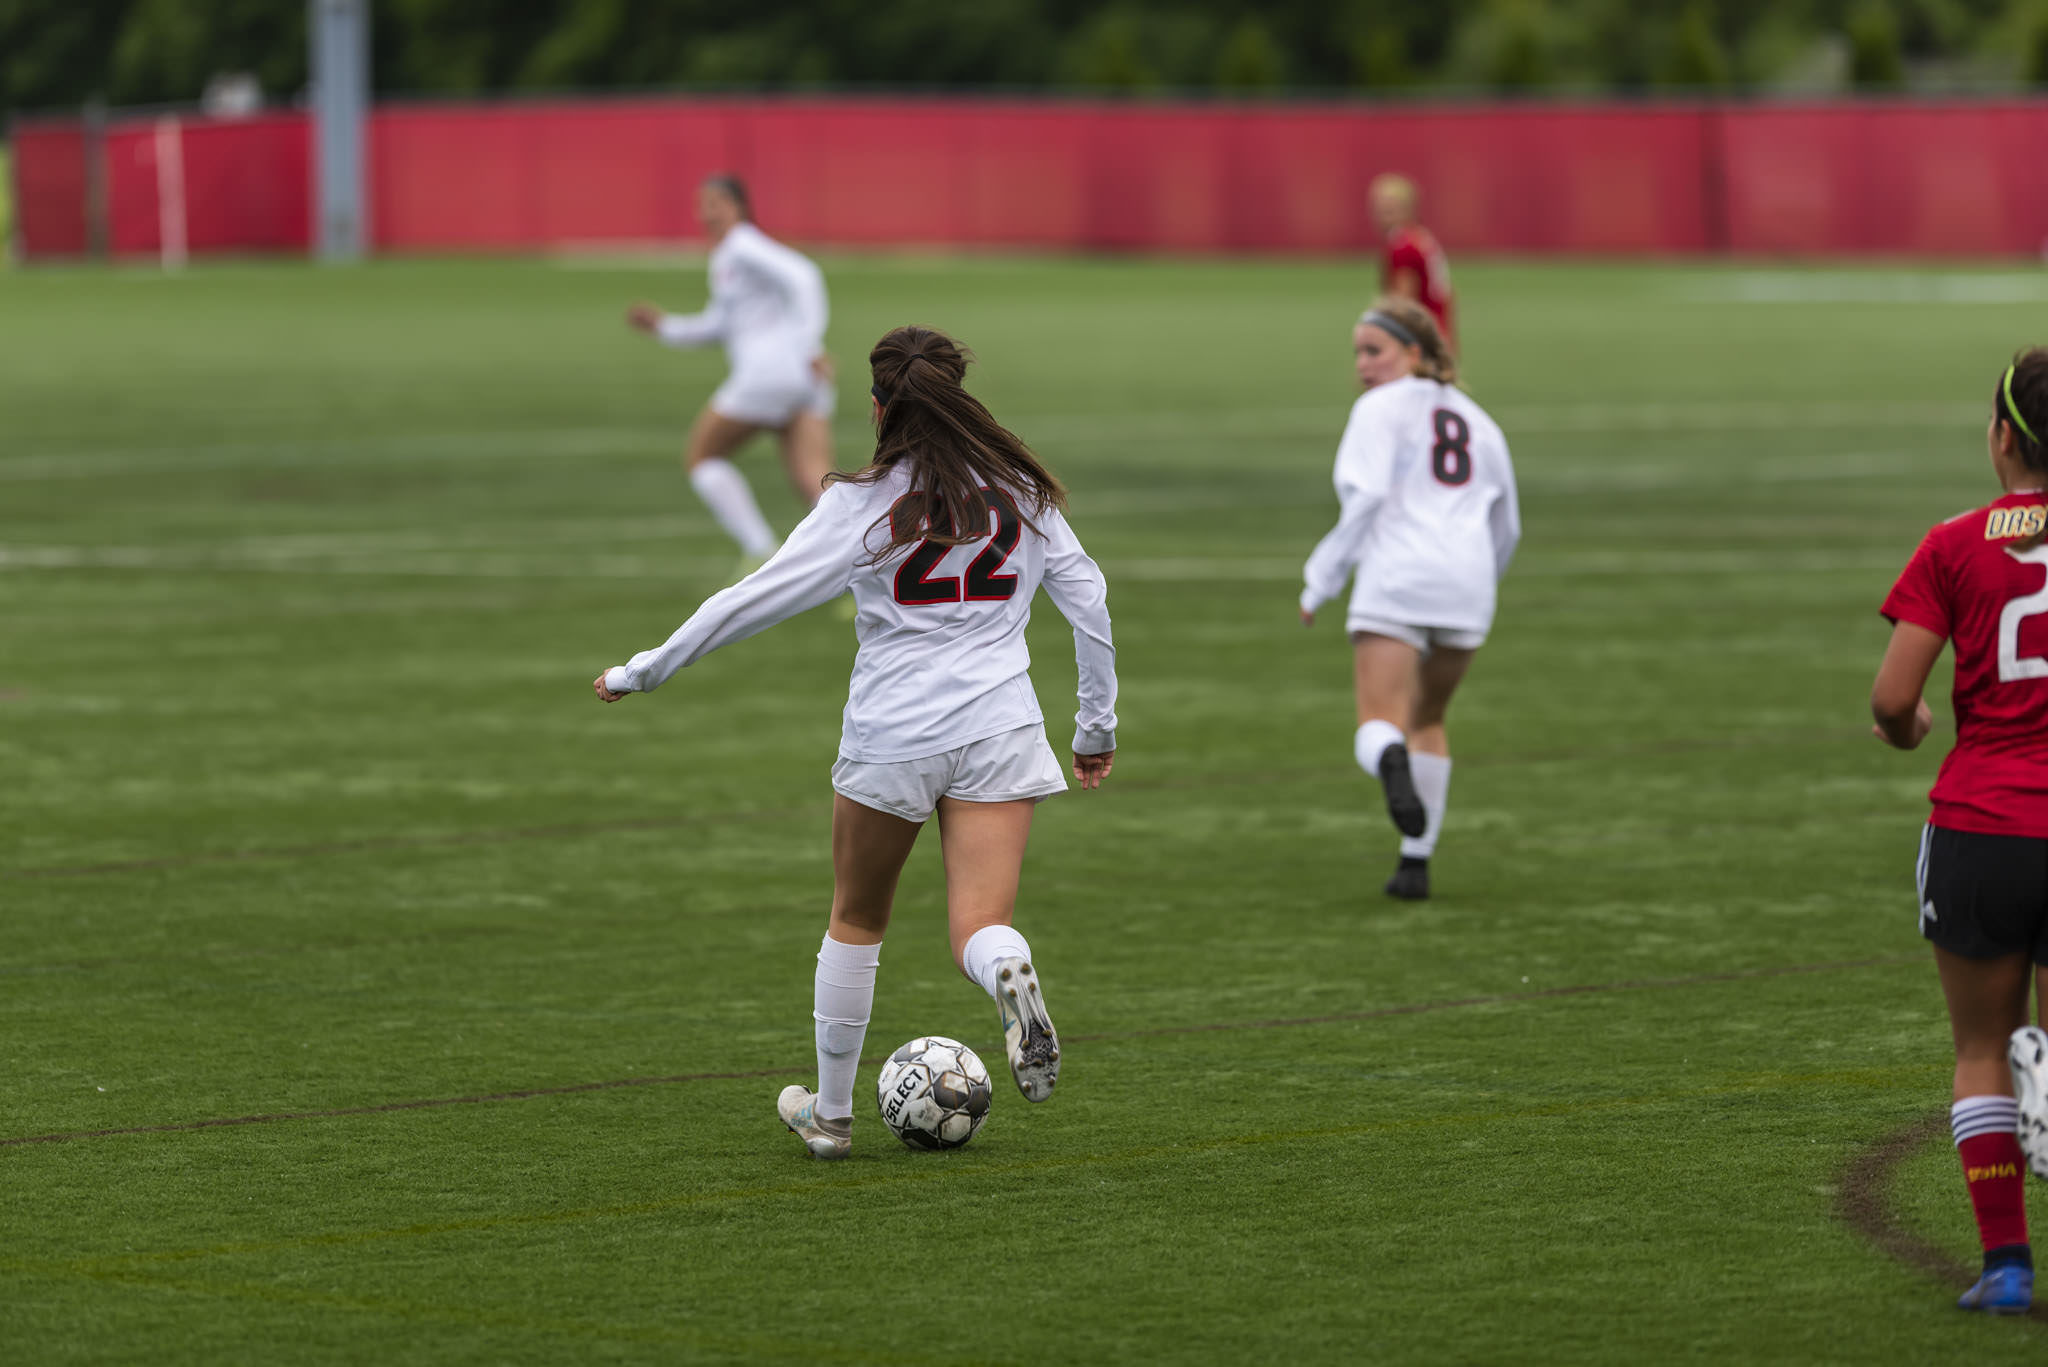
x,y
1979,581
942,661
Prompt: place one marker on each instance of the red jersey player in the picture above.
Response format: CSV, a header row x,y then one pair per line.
x,y
1980,580
1415,266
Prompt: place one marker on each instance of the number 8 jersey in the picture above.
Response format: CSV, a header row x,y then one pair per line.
x,y
942,660
1428,516
1981,580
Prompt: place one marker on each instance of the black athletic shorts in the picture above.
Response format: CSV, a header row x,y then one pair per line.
x,y
1984,896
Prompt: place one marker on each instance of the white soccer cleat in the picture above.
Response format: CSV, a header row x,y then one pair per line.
x,y
1028,1036
2028,1057
824,1138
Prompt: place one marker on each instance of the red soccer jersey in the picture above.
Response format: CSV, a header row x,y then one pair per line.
x,y
1415,248
1971,582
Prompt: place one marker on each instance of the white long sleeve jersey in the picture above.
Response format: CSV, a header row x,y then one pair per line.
x,y
1428,517
942,659
767,303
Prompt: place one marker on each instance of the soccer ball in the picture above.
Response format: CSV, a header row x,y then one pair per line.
x,y
934,1093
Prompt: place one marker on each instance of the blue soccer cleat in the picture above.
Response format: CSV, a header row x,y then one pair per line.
x,y
2003,1290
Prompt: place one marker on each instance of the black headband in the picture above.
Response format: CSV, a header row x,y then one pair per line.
x,y
1392,326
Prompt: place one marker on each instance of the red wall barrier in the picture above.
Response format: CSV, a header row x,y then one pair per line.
x,y
49,189
1949,180
1198,179
1906,178
246,183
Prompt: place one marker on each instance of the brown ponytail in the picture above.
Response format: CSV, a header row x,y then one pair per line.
x,y
953,446
1437,362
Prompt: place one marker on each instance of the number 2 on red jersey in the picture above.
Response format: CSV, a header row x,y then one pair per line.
x,y
2014,667
984,582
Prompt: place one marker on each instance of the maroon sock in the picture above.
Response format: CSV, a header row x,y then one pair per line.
x,y
1996,1172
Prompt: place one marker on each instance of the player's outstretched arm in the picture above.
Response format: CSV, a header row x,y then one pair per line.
x,y
1075,584
679,329
1902,716
814,566
1504,520
1363,476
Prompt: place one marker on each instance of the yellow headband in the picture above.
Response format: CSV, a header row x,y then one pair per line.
x,y
2012,410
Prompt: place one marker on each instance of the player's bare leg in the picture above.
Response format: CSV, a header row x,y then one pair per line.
x,y
984,849
868,852
1429,764
1987,1003
714,439
1387,675
807,455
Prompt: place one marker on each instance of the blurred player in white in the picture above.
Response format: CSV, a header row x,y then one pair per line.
x,y
940,716
768,309
1428,521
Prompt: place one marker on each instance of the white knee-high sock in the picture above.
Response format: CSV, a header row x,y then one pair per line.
x,y
988,946
726,493
1371,740
843,997
1432,775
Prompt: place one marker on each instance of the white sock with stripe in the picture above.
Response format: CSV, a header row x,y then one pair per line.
x,y
730,498
1975,1115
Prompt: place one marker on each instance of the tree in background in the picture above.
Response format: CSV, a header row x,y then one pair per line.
x,y
1697,60
1249,59
1875,61
2034,45
57,53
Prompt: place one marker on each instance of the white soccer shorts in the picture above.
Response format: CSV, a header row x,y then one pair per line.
x,y
1007,768
1423,639
773,395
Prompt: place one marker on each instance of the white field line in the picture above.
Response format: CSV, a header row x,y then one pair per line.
x,y
506,445
590,532
1049,430
1868,287
596,539
680,569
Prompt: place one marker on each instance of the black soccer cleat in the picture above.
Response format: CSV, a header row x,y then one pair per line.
x,y
1410,882
1404,804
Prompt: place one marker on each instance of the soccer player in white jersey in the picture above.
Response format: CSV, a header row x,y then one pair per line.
x,y
768,309
1428,522
944,539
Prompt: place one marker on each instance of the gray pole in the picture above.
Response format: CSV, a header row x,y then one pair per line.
x,y
94,150
339,31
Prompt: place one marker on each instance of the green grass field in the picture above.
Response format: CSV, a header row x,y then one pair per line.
x,y
310,813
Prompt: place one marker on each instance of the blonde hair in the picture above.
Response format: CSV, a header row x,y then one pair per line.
x,y
1394,185
1436,362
